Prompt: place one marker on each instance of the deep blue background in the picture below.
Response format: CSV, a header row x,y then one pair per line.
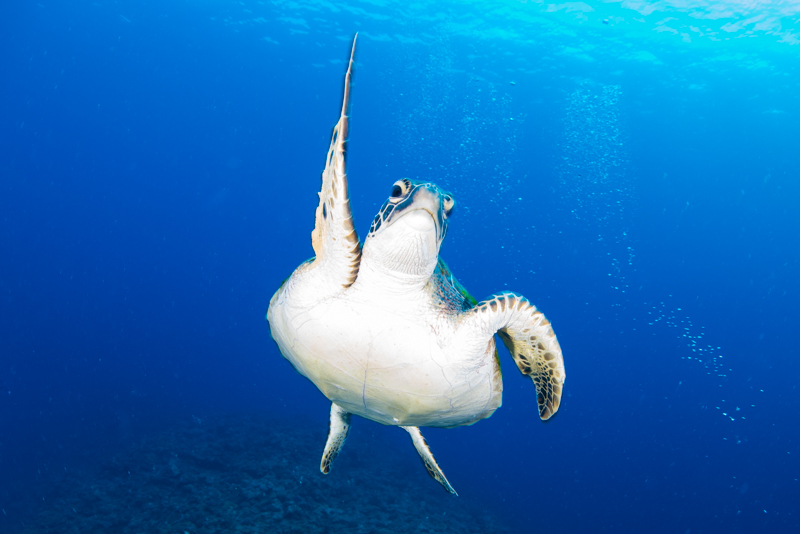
x,y
159,164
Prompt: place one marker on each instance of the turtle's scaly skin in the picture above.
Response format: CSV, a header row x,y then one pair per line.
x,y
387,332
533,345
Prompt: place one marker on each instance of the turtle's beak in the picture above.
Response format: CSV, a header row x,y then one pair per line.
x,y
427,198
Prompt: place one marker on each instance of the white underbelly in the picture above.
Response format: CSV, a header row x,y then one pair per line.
x,y
385,367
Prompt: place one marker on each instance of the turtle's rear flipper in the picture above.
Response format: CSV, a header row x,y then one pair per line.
x,y
427,458
530,339
340,426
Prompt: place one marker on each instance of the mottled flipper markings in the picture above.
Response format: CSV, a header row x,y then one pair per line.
x,y
530,339
427,458
448,293
334,238
337,434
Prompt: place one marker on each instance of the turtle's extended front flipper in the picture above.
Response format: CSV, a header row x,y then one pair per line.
x,y
340,427
334,238
531,341
427,458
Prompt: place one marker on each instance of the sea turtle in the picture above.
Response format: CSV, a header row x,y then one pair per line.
x,y
387,332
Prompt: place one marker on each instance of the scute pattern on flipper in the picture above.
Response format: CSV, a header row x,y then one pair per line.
x,y
427,458
337,434
334,238
533,345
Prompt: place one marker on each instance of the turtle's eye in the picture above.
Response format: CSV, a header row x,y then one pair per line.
x,y
448,204
399,189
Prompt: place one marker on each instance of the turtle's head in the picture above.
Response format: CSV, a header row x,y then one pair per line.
x,y
409,228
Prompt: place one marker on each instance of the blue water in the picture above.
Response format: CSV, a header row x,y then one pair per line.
x,y
631,168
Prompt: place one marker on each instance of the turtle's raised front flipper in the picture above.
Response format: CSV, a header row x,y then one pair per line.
x,y
531,341
340,426
427,458
334,238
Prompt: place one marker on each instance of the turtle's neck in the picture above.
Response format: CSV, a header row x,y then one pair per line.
x,y
397,272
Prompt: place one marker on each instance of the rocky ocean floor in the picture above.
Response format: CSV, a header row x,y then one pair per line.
x,y
250,474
